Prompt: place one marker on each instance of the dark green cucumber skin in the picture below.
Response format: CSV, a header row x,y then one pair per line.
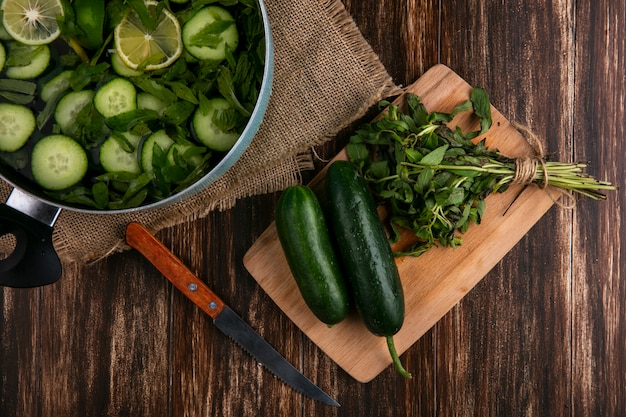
x,y
305,239
365,251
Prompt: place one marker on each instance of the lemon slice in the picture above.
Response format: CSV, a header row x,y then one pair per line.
x,y
32,22
139,47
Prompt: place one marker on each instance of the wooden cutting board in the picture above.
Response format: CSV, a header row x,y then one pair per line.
x,y
433,282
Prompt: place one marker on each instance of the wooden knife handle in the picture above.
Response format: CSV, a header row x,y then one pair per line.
x,y
173,269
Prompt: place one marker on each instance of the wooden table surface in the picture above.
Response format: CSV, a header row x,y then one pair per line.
x,y
544,333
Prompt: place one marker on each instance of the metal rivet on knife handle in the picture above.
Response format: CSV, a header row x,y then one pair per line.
x,y
173,269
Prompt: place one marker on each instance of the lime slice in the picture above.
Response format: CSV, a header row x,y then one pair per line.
x,y
32,22
139,47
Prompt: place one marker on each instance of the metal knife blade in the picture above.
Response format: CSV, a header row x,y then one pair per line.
x,y
223,317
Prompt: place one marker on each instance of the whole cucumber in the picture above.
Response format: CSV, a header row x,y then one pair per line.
x,y
305,239
367,258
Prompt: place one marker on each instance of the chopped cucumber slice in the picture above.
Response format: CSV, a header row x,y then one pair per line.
x,y
121,68
207,34
58,162
160,139
208,131
17,123
121,154
56,86
150,102
39,59
189,155
116,97
68,108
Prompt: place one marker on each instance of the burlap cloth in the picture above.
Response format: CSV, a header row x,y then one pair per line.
x,y
326,76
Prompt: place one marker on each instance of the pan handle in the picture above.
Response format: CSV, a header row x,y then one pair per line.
x,y
26,223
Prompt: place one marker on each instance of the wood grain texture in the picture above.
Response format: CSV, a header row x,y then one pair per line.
x,y
598,288
19,344
542,334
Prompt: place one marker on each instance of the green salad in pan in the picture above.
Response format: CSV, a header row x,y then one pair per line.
x,y
116,104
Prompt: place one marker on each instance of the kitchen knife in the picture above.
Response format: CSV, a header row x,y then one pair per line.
x,y
223,317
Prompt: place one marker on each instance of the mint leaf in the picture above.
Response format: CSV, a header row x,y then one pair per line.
x,y
211,35
434,157
226,87
482,108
